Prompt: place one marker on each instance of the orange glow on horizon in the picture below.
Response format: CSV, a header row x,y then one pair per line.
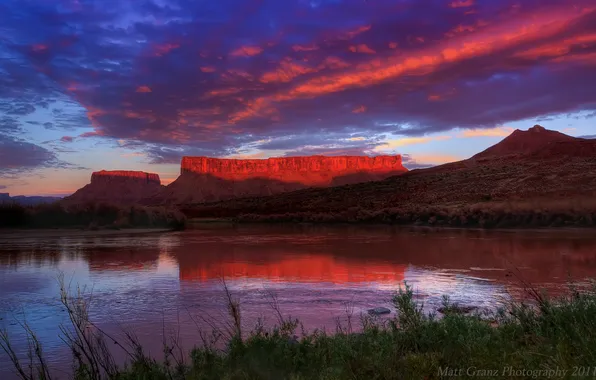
x,y
492,132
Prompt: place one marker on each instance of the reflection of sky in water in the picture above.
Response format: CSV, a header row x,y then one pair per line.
x,y
462,288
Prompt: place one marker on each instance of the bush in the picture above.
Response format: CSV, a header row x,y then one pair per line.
x,y
89,215
12,215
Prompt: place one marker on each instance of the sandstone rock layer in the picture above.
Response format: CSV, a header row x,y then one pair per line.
x,y
118,186
205,179
125,175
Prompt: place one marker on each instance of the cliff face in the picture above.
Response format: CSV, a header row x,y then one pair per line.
x,y
118,186
120,175
205,179
273,167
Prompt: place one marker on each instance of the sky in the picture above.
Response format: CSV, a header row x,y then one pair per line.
x,y
87,85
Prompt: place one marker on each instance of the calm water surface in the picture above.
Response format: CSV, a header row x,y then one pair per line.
x,y
317,274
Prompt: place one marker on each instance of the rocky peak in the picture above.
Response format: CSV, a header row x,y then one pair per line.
x,y
126,175
537,128
523,143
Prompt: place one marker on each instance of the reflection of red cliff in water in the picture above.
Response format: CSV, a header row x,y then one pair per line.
x,y
358,254
302,268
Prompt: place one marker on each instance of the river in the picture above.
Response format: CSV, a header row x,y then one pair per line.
x,y
172,283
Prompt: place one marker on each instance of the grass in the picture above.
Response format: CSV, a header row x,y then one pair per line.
x,y
92,216
547,335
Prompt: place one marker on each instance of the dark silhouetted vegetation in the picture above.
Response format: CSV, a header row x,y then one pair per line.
x,y
89,215
482,215
538,338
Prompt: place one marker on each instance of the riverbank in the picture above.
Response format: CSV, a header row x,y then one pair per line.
x,y
74,232
551,338
94,216
564,214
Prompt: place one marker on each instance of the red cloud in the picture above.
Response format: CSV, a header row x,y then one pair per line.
x,y
39,47
362,48
91,134
461,3
246,51
305,48
143,89
511,36
160,50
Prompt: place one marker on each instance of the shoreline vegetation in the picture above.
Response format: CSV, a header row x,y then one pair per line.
x,y
92,216
98,216
545,337
485,215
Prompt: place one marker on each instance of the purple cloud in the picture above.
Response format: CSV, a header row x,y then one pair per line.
x,y
303,77
17,156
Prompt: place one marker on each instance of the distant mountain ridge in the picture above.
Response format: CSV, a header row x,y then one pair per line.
x,y
27,200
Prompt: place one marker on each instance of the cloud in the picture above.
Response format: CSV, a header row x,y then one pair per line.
x,y
143,89
488,132
588,137
362,48
185,77
18,156
405,141
2,187
246,51
461,3
15,154
420,161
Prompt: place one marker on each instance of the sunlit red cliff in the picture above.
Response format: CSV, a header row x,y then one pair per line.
x,y
212,179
